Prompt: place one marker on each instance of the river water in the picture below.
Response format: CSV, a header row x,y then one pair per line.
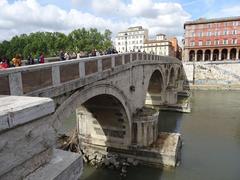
x,y
211,142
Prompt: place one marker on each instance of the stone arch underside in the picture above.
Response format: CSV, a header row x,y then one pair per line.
x,y
155,89
87,102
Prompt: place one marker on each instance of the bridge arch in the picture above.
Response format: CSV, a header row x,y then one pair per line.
x,y
86,102
155,88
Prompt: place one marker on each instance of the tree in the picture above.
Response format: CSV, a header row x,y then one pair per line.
x,y
50,43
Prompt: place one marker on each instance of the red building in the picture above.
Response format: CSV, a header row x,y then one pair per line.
x,y
212,39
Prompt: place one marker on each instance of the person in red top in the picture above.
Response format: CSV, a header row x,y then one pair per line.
x,y
41,59
4,64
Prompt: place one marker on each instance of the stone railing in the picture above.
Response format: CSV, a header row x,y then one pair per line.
x,y
26,79
28,139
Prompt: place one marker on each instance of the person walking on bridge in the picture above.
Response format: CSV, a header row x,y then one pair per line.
x,y
4,63
16,61
41,58
30,60
61,56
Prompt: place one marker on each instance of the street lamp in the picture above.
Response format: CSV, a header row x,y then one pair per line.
x,y
126,41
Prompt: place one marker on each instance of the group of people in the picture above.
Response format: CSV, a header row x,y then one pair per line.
x,y
17,61
65,56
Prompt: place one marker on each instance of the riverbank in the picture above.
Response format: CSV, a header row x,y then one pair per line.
x,y
234,87
215,75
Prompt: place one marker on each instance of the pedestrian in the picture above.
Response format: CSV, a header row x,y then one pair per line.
x,y
78,55
97,53
66,56
61,56
16,61
93,53
41,58
4,64
30,59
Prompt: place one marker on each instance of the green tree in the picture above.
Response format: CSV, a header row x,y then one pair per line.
x,y
50,43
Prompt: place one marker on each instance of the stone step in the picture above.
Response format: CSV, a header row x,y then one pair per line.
x,y
64,165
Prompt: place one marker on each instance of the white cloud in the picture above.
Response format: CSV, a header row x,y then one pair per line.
x,y
25,16
227,11
230,11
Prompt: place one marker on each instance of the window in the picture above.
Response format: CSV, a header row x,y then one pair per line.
x,y
234,41
225,41
225,32
209,33
192,43
216,42
200,34
200,43
208,43
225,24
234,32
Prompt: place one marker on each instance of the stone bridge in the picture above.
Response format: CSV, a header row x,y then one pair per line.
x,y
108,94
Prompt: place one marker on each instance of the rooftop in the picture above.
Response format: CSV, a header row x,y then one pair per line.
x,y
214,20
160,34
150,41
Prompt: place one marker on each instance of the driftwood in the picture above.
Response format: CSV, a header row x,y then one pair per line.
x,y
69,143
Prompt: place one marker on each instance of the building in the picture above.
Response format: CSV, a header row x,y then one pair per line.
x,y
212,39
159,46
176,48
131,40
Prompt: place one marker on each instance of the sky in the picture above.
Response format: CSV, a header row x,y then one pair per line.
x,y
159,16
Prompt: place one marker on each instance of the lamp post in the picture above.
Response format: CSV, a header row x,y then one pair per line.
x,y
126,41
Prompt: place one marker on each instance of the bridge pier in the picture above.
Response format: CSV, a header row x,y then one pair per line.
x,y
145,127
171,96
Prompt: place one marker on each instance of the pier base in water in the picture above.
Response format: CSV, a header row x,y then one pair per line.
x,y
165,151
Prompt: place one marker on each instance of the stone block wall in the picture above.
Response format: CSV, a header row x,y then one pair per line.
x,y
27,140
219,74
26,135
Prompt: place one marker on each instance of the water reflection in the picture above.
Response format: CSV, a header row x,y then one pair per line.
x,y
169,121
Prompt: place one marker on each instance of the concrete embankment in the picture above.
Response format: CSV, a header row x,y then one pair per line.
x,y
213,75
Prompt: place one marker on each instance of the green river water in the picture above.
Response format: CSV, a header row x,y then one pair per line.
x,y
211,142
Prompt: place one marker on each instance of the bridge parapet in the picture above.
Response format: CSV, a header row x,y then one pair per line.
x,y
28,140
27,79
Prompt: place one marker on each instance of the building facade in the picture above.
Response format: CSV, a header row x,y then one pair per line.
x,y
131,40
159,46
212,39
176,48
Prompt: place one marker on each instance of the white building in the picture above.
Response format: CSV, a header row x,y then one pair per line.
x,y
131,40
159,46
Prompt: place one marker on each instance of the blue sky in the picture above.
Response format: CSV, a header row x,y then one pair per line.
x,y
159,16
